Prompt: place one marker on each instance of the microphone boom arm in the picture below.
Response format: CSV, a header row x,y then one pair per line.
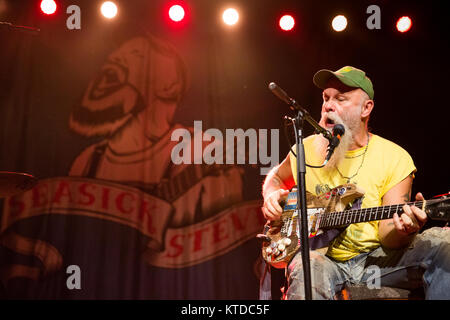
x,y
24,29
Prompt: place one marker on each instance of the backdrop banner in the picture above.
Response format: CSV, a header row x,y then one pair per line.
x,y
115,214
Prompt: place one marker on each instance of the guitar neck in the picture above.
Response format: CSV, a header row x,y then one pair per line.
x,y
346,217
171,189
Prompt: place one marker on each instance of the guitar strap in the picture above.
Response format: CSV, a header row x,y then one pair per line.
x,y
265,281
150,188
99,151
324,239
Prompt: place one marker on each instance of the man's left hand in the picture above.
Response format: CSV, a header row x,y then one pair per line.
x,y
411,220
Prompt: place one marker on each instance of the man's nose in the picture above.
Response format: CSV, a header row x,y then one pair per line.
x,y
329,106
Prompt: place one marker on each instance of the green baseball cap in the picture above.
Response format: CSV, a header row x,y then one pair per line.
x,y
348,75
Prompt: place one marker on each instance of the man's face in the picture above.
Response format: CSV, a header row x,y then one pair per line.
x,y
341,103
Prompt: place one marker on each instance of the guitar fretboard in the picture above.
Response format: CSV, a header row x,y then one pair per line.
x,y
171,189
346,217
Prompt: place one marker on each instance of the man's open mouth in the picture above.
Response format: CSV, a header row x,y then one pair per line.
x,y
329,123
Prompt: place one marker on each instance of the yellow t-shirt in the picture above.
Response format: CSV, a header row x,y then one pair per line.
x,y
385,165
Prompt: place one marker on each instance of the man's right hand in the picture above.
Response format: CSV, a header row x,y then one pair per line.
x,y
271,208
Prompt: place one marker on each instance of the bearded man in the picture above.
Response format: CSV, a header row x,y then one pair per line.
x,y
385,172
131,104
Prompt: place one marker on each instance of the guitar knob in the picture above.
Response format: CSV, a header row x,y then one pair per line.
x,y
287,241
281,247
269,250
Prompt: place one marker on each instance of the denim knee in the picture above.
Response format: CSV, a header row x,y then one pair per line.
x,y
323,277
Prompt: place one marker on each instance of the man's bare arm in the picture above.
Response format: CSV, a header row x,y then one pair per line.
x,y
398,232
276,185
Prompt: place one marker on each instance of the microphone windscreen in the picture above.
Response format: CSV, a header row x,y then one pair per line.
x,y
338,130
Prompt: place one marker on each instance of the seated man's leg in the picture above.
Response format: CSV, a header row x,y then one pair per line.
x,y
326,278
425,262
431,250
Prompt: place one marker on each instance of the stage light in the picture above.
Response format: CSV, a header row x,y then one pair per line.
x,y
287,22
339,23
230,16
404,24
109,9
176,13
48,6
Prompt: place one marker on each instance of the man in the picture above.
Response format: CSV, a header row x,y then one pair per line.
x,y
385,172
132,103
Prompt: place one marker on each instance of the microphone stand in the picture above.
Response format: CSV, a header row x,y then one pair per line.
x,y
301,204
302,217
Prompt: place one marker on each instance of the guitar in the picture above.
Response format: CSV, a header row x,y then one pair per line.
x,y
328,215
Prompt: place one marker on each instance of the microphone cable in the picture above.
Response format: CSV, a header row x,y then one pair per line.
x,y
286,135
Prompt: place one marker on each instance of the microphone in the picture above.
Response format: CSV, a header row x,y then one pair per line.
x,y
338,132
280,93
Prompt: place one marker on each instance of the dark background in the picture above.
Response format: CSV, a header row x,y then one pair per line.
x,y
42,77
235,65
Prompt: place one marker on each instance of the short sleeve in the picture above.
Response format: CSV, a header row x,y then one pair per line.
x,y
399,164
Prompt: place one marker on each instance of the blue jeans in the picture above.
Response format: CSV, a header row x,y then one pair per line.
x,y
425,262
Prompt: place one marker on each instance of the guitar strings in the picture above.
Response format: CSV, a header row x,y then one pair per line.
x,y
353,213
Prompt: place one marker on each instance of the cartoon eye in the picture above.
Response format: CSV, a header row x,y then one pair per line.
x,y
114,74
169,94
112,77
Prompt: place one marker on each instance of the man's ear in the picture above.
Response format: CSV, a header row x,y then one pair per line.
x,y
367,108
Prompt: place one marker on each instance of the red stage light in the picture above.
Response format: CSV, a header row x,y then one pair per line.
x,y
404,24
176,13
48,6
287,22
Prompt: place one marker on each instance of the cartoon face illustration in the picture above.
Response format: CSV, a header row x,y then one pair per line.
x,y
143,78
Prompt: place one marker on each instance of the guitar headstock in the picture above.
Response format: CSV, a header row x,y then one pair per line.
x,y
439,209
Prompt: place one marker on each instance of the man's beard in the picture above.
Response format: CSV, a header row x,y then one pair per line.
x,y
320,144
